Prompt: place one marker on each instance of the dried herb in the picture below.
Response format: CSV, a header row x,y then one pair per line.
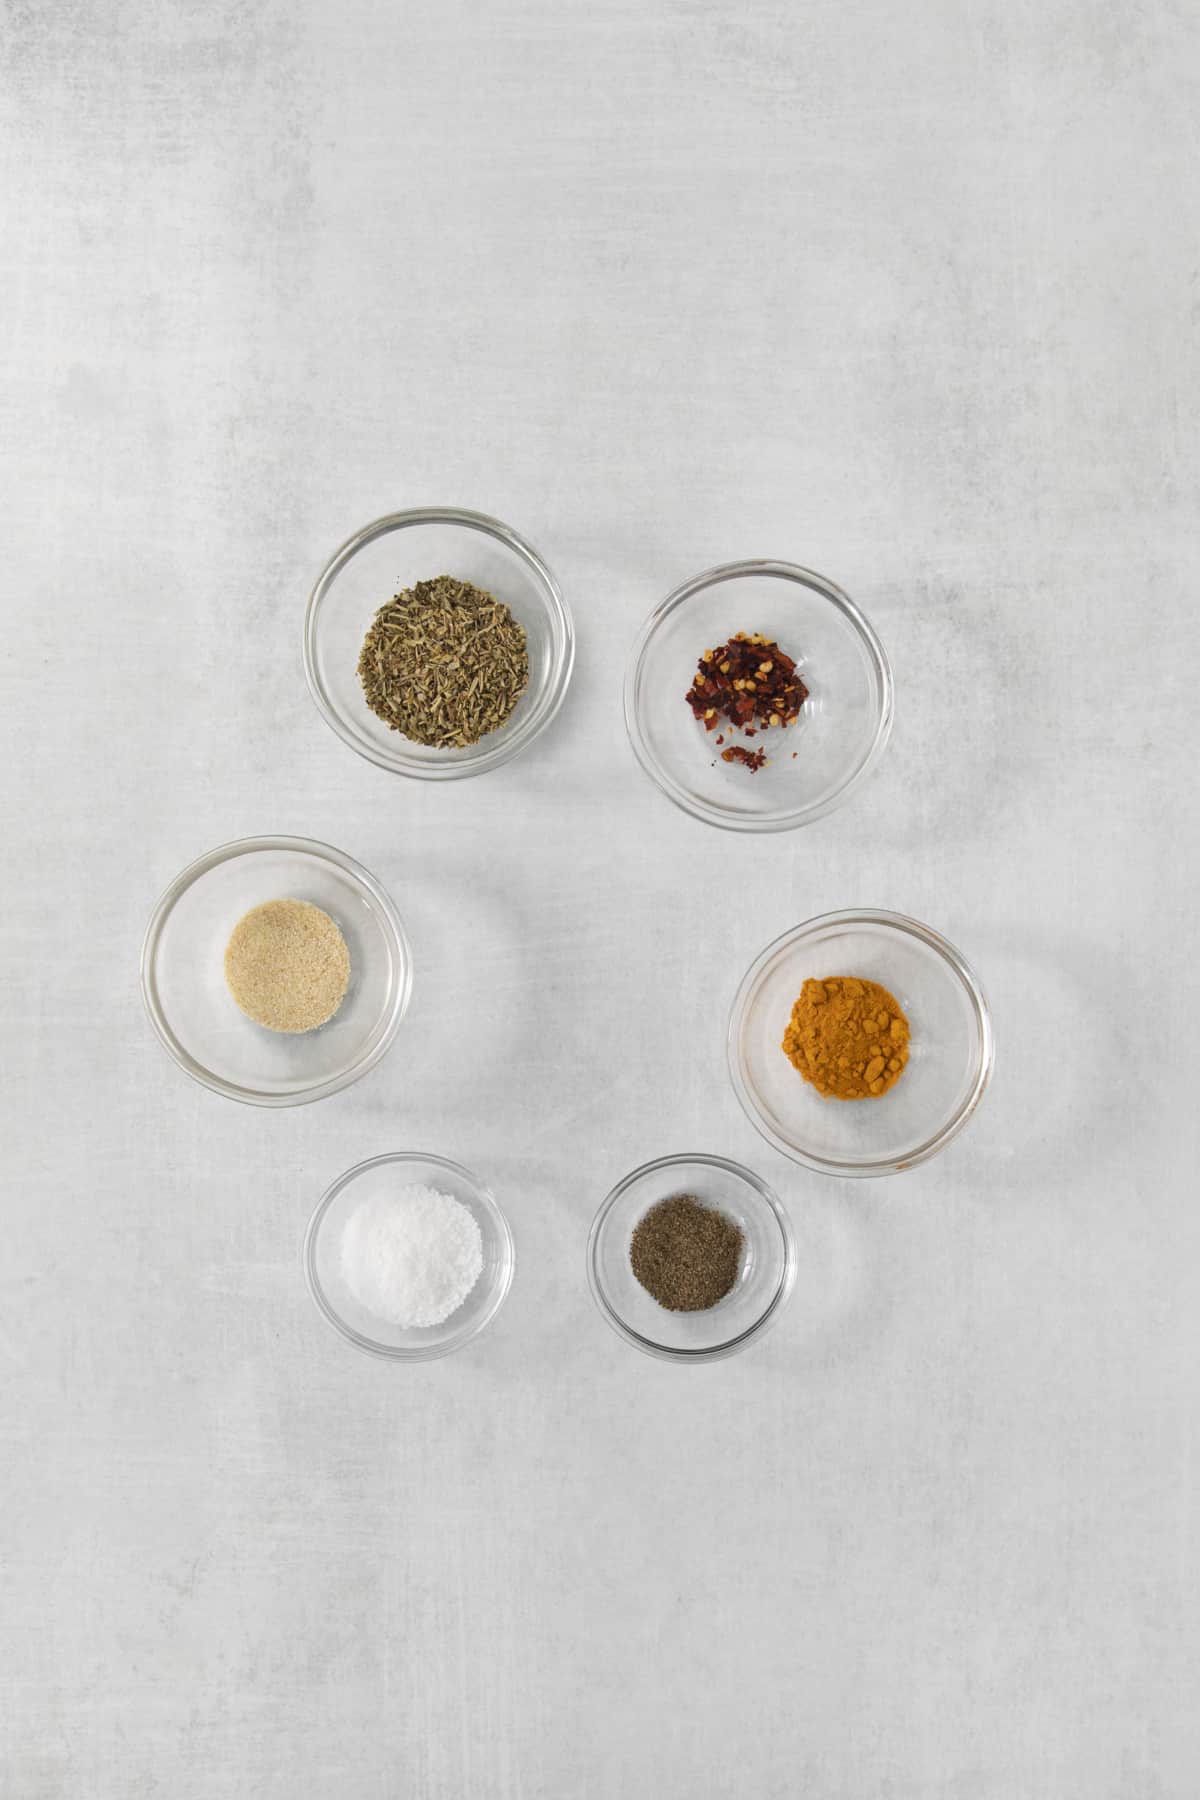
x,y
444,662
685,1255
751,683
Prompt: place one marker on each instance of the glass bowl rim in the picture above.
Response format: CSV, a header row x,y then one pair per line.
x,y
561,663
957,963
227,853
877,655
395,1352
669,1352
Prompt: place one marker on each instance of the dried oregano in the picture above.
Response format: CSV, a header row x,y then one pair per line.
x,y
444,662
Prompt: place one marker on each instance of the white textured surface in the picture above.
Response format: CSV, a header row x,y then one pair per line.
x,y
903,292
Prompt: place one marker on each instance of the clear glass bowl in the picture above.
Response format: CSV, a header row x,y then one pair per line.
x,y
195,1015
950,1052
843,725
395,552
765,1278
322,1257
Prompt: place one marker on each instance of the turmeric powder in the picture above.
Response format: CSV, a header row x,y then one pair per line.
x,y
847,1037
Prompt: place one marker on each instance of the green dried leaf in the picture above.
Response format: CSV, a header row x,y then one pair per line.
x,y
444,662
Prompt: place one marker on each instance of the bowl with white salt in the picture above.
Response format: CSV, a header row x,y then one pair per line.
x,y
408,1256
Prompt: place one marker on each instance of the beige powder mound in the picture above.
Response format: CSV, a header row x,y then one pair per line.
x,y
287,965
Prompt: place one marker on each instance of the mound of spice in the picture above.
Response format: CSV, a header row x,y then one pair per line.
x,y
685,1255
748,684
848,1037
411,1256
287,965
444,662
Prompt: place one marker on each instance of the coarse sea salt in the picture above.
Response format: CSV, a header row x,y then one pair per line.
x,y
411,1256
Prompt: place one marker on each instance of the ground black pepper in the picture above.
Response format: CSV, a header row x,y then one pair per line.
x,y
685,1255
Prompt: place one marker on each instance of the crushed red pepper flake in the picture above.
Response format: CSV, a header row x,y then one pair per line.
x,y
753,759
753,684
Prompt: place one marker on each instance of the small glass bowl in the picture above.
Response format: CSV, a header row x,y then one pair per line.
x,y
765,1278
197,1018
395,552
842,727
322,1257
950,1051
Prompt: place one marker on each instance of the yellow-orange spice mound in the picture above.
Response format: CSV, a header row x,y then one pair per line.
x,y
848,1037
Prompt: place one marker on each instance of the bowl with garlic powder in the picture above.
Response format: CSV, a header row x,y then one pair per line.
x,y
275,970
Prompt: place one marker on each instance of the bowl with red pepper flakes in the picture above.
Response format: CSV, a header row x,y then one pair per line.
x,y
758,696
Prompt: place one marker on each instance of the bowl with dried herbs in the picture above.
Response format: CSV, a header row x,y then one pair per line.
x,y
691,1257
758,696
437,643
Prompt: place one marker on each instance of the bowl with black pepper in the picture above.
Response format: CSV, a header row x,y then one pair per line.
x,y
860,1043
758,696
409,1256
275,970
437,643
691,1257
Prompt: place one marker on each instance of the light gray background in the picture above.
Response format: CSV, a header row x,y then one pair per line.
x,y
904,293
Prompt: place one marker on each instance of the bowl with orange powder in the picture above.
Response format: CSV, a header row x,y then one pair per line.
x,y
860,1043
